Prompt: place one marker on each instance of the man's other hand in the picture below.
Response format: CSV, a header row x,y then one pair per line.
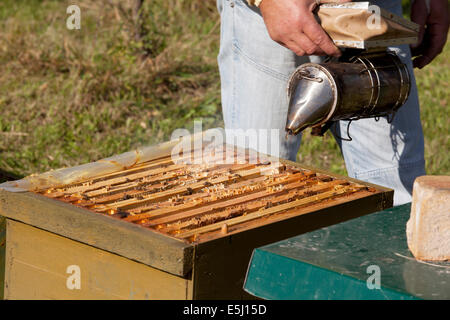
x,y
433,30
291,23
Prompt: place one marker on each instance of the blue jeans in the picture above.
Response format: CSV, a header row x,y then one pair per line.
x,y
254,71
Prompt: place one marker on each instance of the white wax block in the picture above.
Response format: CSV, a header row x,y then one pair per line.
x,y
428,229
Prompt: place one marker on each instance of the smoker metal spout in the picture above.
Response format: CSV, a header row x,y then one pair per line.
x,y
312,97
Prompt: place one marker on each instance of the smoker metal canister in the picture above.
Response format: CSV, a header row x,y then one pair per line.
x,y
364,86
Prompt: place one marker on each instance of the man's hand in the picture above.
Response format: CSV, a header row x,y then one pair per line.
x,y
433,30
291,23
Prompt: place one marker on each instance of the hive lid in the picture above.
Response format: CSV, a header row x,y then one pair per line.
x,y
363,25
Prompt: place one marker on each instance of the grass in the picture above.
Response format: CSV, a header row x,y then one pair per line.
x,y
74,96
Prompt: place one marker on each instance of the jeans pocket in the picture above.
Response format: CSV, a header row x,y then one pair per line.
x,y
252,42
253,61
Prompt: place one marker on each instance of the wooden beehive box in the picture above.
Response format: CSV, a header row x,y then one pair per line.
x,y
164,229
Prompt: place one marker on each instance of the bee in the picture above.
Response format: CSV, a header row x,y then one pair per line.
x,y
268,205
121,213
126,197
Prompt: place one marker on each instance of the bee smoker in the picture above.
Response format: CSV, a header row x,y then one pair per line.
x,y
362,86
368,81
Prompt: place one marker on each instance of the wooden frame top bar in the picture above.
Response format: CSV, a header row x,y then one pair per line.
x,y
176,254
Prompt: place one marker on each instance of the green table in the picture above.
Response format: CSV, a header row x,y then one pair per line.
x,y
338,262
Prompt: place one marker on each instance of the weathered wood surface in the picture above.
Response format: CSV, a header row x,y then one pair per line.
x,y
263,213
120,237
232,200
37,268
2,255
389,193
